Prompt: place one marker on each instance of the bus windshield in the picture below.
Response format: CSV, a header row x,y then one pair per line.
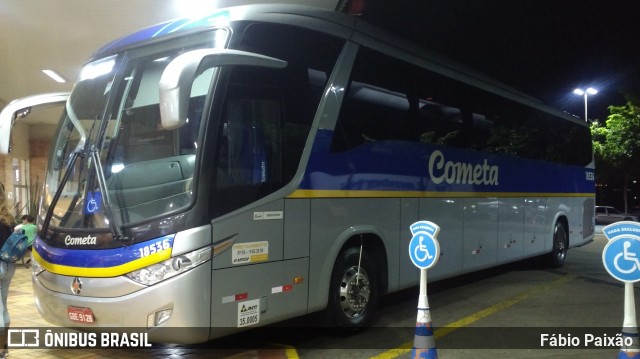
x,y
110,139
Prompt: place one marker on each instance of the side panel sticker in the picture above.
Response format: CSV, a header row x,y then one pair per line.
x,y
248,313
269,215
251,252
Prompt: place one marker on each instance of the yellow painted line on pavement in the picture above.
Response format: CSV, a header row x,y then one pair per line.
x,y
291,353
441,332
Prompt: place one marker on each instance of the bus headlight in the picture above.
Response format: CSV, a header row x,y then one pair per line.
x,y
171,267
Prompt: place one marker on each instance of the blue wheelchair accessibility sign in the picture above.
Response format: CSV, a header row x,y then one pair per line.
x,y
424,249
621,258
93,202
621,228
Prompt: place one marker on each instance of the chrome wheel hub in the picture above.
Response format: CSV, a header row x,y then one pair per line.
x,y
355,290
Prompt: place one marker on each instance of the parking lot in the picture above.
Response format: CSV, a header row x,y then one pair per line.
x,y
503,312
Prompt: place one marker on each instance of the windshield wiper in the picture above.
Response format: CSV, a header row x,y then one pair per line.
x,y
56,196
115,229
78,126
81,150
80,147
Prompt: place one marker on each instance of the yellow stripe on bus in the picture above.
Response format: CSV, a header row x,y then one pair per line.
x,y
104,272
304,193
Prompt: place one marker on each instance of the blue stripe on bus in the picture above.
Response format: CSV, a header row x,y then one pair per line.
x,y
101,258
405,166
303,193
210,20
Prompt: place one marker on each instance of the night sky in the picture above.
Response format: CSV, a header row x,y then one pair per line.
x,y
545,48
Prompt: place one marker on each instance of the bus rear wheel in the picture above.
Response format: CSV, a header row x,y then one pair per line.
x,y
560,246
353,292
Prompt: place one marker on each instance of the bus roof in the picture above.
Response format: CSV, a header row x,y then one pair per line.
x,y
337,24
281,13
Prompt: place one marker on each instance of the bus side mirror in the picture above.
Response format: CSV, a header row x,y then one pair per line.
x,y
177,78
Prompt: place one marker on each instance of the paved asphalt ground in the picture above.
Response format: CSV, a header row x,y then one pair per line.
x,y
499,313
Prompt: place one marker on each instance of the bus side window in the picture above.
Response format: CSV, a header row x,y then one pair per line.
x,y
371,113
310,57
277,109
402,103
250,142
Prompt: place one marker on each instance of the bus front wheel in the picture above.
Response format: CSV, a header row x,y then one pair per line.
x,y
353,292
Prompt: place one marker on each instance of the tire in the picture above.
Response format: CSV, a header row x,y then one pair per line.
x,y
353,297
560,246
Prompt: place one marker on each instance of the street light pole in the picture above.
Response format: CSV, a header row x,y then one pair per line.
x,y
586,93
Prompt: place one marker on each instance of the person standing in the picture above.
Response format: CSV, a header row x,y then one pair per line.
x,y
30,230
7,270
28,226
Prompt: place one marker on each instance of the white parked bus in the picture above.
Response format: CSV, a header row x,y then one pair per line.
x,y
263,162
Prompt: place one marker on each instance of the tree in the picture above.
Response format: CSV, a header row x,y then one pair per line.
x,y
617,146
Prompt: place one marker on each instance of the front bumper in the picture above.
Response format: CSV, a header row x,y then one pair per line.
x,y
187,295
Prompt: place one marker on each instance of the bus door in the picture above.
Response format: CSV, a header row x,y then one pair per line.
x,y
249,217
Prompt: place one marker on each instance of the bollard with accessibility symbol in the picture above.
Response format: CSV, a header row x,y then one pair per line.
x,y
621,259
424,251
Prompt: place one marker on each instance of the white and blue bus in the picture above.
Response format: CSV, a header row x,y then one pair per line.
x,y
264,162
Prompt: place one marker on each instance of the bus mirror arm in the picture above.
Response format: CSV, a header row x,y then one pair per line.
x,y
9,114
177,78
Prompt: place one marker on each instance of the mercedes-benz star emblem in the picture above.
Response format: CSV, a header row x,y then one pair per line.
x,y
76,286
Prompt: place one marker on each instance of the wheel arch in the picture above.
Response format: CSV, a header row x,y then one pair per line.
x,y
558,253
372,238
564,220
373,244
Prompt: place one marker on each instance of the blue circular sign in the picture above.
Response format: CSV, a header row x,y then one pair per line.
x,y
424,250
621,258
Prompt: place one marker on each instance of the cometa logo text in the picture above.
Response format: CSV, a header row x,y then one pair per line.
x,y
451,172
74,241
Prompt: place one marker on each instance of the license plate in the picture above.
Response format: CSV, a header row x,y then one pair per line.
x,y
81,315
